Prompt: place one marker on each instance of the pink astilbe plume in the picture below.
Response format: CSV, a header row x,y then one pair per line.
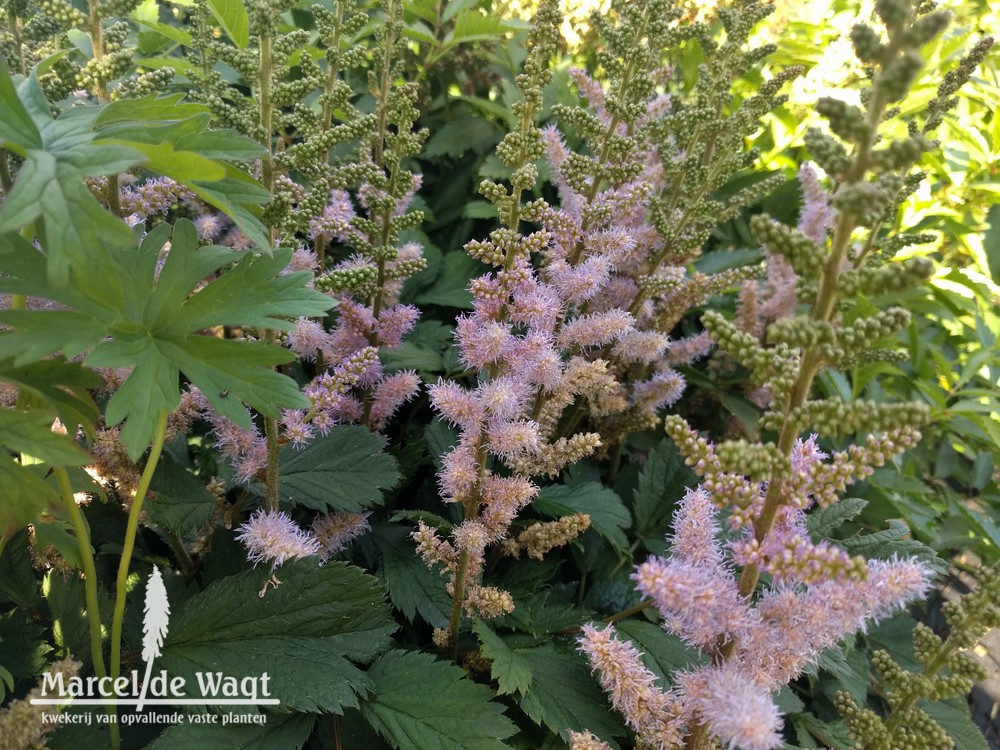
x,y
654,715
735,709
273,535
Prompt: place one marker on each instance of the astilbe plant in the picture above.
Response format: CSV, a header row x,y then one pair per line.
x,y
801,321
583,335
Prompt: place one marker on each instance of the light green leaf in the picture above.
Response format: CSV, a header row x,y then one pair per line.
x,y
234,19
422,704
222,144
31,433
308,634
347,470
25,496
608,515
16,126
182,166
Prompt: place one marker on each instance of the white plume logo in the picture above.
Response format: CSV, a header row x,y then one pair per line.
x,y
154,626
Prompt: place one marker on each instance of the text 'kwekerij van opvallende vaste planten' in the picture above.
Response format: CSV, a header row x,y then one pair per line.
x,y
463,374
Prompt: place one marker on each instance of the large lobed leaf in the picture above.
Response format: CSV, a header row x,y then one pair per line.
x,y
158,327
309,634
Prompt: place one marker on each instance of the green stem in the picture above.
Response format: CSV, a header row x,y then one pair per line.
x,y
90,589
89,570
128,546
457,599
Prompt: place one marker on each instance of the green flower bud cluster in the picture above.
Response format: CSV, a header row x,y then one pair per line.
x,y
63,12
145,84
872,281
948,671
835,417
804,256
896,78
828,152
116,8
360,280
867,45
953,81
846,120
749,196
116,62
758,461
868,202
41,27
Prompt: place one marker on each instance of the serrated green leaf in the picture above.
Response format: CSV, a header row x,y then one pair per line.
x,y
608,515
182,503
31,433
307,634
419,703
823,521
17,577
413,587
16,126
288,732
234,196
346,470
893,542
509,668
67,600
58,385
564,695
158,328
662,482
77,228
22,645
412,356
452,287
474,25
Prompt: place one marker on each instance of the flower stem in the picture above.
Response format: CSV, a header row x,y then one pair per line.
x,y
128,545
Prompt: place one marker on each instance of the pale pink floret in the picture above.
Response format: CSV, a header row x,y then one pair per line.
x,y
735,709
459,471
308,337
817,215
394,323
457,405
596,329
504,397
511,439
652,713
391,393
643,347
701,605
663,389
273,535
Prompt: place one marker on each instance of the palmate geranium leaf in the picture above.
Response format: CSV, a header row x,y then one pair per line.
x,y
161,327
159,332
58,154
